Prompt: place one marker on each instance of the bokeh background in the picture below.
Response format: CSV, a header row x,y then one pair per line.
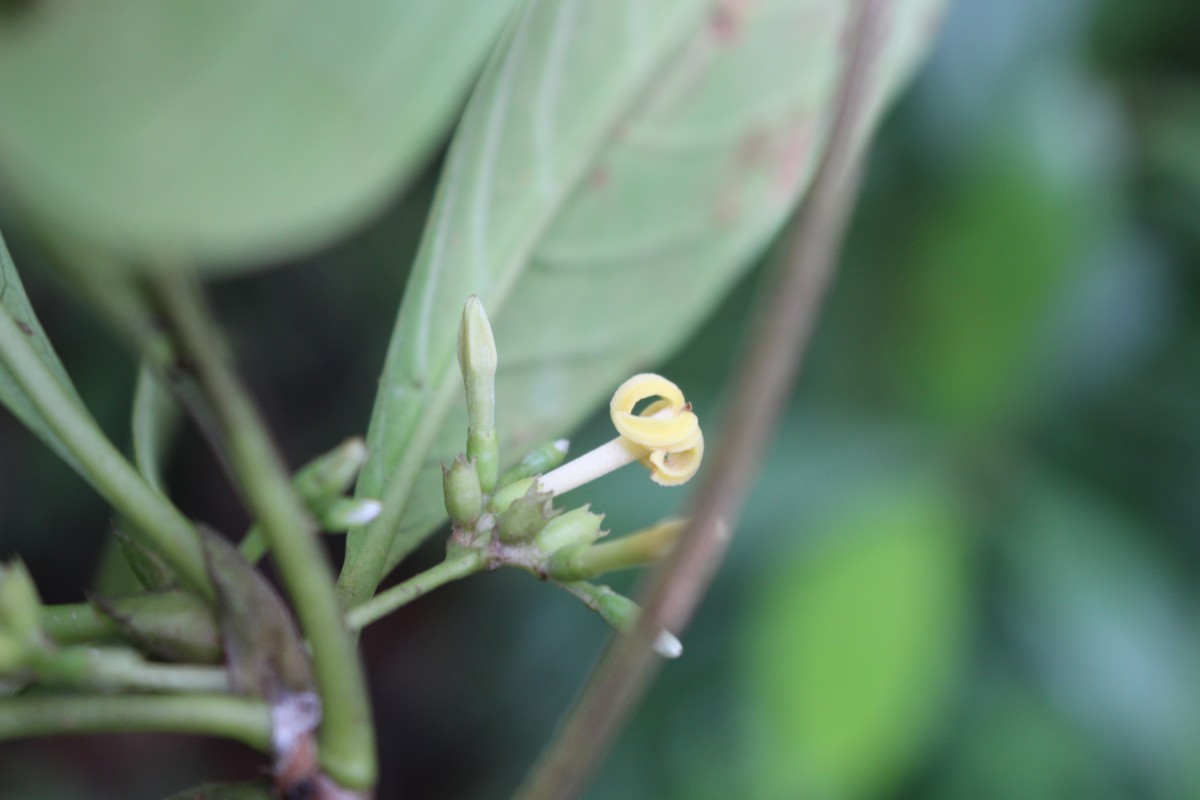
x,y
969,568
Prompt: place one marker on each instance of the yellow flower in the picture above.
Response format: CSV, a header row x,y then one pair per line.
x,y
664,437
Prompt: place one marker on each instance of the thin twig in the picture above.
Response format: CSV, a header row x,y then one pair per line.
x,y
765,379
419,585
243,719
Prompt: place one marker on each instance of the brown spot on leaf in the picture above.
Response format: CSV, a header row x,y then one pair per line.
x,y
25,329
599,178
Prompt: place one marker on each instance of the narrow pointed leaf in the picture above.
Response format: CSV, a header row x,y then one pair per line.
x,y
15,304
200,130
619,165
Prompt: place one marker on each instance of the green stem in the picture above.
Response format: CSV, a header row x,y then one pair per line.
x,y
158,524
419,585
122,669
243,719
346,737
77,623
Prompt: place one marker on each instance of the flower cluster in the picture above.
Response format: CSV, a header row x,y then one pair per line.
x,y
512,519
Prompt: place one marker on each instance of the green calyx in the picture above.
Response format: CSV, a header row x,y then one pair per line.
x,y
526,516
576,527
463,493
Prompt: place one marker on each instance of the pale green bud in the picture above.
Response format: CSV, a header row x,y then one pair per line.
x,y
477,360
526,516
464,497
538,461
576,527
333,473
504,498
20,606
621,614
344,513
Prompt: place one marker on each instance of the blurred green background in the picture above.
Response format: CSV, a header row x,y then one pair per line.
x,y
968,568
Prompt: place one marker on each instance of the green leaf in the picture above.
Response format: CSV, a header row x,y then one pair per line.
x,y
228,131
15,304
615,171
854,647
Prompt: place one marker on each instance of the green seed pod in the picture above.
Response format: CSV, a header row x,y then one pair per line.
x,y
538,461
578,526
526,516
20,606
464,497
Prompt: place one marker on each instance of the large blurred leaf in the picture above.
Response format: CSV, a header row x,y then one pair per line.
x,y
229,130
618,165
853,649
988,265
15,304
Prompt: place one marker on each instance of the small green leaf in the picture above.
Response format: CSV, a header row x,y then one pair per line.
x,y
15,304
233,131
618,166
853,648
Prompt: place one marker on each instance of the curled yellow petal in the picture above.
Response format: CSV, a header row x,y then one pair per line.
x,y
667,424
673,468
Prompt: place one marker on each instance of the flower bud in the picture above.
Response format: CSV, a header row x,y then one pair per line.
x,y
345,513
20,607
526,516
464,497
333,473
477,360
504,498
576,527
621,613
538,461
